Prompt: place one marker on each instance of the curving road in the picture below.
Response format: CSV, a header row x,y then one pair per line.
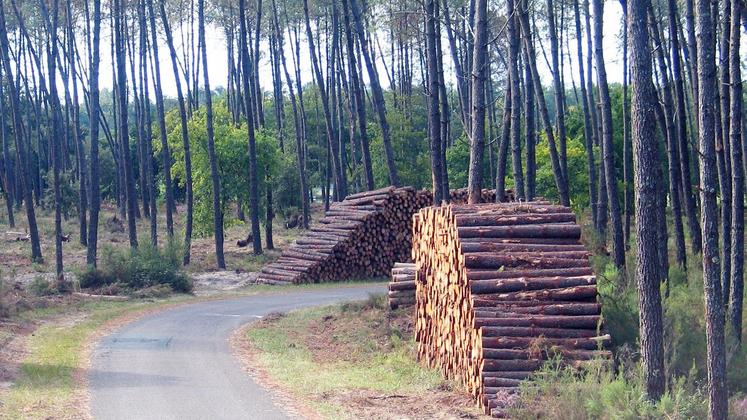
x,y
178,364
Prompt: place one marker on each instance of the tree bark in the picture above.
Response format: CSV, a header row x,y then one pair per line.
x,y
123,122
560,181
514,77
376,91
706,74
737,176
253,178
477,137
185,138
165,153
645,153
214,172
433,92
618,242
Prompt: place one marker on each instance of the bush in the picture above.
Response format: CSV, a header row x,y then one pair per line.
x,y
41,287
95,278
141,268
599,393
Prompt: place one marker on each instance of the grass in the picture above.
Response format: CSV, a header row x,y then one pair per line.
x,y
320,353
56,351
46,386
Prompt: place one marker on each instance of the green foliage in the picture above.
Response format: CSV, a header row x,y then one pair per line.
x,y
599,393
41,287
457,157
95,278
68,192
578,175
144,267
231,147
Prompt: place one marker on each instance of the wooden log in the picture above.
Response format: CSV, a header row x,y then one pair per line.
x,y
580,343
528,283
487,274
489,260
465,220
543,321
402,285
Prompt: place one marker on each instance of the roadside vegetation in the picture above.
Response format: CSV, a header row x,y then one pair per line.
x,y
617,390
354,360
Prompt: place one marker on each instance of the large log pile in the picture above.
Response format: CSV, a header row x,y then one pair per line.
x,y
500,289
402,285
362,236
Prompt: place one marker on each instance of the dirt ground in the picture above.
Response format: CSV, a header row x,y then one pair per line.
x,y
15,253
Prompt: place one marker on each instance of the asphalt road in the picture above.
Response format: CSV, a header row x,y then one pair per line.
x,y
178,364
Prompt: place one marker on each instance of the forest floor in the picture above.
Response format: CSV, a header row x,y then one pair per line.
x,y
353,360
16,264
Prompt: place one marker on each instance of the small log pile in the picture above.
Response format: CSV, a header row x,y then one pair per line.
x,y
402,285
362,236
500,289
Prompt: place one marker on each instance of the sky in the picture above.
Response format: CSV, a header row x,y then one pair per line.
x,y
218,65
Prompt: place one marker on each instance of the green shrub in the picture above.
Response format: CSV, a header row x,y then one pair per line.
x,y
599,393
95,278
144,267
41,287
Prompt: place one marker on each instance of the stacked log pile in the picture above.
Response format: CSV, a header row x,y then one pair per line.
x,y
500,289
402,285
362,236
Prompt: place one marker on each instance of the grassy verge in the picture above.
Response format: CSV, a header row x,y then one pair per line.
x,y
355,360
51,374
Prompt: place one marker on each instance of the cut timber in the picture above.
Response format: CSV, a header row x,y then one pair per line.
x,y
501,288
362,236
402,285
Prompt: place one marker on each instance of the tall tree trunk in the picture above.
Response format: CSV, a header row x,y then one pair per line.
x,y
18,129
618,242
737,176
185,138
8,166
723,153
165,153
500,176
94,110
328,119
123,130
627,142
588,127
145,100
681,120
666,110
707,89
479,72
559,89
253,179
646,159
55,134
560,181
514,77
530,124
433,92
376,91
214,173
357,92
299,130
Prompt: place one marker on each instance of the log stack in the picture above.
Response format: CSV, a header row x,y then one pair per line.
x,y
500,289
362,236
402,285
